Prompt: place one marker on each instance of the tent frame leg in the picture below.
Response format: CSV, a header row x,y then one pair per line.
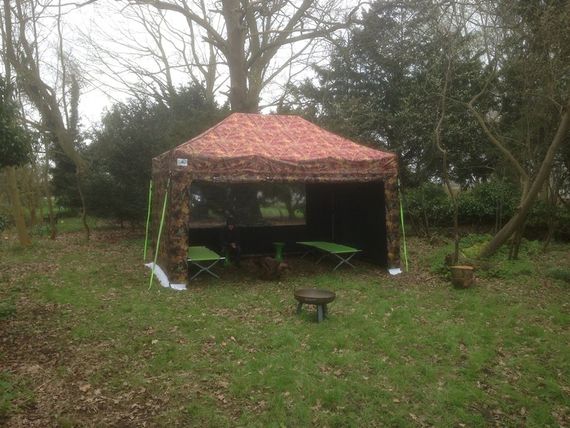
x,y
344,260
203,268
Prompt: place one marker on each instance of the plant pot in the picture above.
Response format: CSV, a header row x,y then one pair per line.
x,y
462,276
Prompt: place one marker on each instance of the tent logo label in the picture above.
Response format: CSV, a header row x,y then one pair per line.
x,y
181,162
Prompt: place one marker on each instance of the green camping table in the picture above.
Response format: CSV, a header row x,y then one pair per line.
x,y
342,252
198,256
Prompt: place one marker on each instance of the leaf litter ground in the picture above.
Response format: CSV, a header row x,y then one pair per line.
x,y
84,343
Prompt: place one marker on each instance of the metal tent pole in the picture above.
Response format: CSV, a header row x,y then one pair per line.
x,y
159,232
147,220
403,226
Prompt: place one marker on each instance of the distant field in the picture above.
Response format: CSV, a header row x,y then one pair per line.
x,y
85,343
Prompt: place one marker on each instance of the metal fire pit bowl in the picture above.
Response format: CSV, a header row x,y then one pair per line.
x,y
314,296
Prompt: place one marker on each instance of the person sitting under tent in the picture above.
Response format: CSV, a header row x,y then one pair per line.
x,y
231,243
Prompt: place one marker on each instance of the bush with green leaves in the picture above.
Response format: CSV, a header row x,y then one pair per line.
x,y
15,141
484,202
489,203
543,213
41,230
4,222
559,274
428,205
470,246
498,266
132,134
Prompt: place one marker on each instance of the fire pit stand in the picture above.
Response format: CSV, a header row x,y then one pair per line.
x,y
314,296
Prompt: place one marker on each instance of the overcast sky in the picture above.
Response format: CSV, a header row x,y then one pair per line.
x,y
103,22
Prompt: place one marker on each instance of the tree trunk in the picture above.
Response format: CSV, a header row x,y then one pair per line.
x,y
551,215
439,144
498,216
549,234
236,57
47,189
425,216
31,195
83,207
519,218
52,221
255,85
455,229
23,235
516,242
33,215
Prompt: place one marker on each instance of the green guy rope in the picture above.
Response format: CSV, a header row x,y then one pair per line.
x,y
147,220
159,232
403,226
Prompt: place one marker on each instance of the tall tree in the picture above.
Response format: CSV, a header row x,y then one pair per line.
x,y
57,106
527,94
384,84
132,134
157,52
14,151
510,74
247,35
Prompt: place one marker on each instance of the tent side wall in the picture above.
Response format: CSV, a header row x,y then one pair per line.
x,y
175,235
392,220
361,214
173,244
352,213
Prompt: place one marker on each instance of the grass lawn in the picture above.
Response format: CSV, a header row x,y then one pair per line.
x,y
85,343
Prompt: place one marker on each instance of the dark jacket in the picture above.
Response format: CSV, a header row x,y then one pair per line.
x,y
230,236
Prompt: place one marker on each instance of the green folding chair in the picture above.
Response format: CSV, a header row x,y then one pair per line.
x,y
204,259
342,253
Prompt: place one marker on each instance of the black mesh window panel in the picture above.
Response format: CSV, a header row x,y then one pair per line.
x,y
349,213
248,204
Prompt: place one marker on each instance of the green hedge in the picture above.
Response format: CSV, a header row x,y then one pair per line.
x,y
480,205
428,203
4,222
540,214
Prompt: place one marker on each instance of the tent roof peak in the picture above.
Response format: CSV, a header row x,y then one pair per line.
x,y
277,147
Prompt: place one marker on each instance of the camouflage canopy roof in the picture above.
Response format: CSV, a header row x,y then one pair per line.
x,y
254,147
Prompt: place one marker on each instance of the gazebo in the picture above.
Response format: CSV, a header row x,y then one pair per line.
x,y
351,190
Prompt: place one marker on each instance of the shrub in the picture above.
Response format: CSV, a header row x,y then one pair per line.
x,y
559,274
469,250
505,269
40,230
542,212
498,266
430,203
4,222
483,202
131,134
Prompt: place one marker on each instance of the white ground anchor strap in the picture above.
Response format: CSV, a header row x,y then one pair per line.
x,y
395,271
163,279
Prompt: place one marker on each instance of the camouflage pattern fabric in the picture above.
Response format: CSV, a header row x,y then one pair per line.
x,y
253,148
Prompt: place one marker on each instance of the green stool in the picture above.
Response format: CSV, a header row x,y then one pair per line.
x,y
226,255
279,251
